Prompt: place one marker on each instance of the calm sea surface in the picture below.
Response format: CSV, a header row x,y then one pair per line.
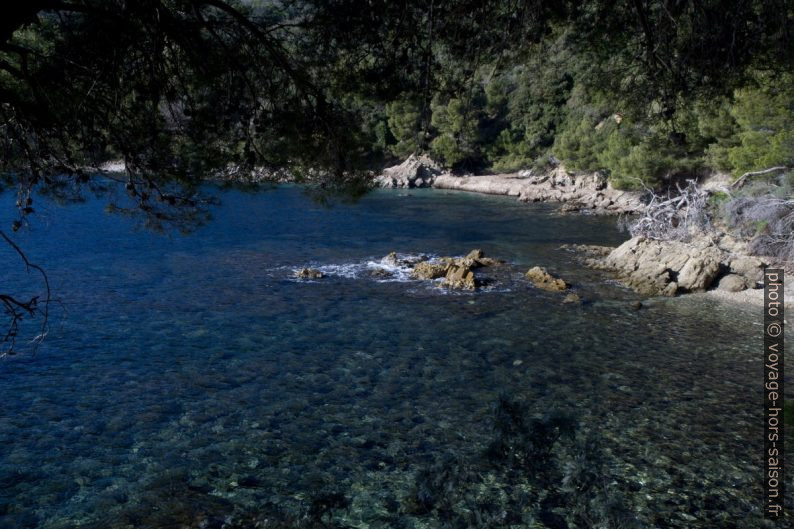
x,y
190,381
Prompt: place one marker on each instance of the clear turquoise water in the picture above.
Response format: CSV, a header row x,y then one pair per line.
x,y
189,381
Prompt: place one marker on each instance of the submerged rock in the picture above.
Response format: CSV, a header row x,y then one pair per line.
x,y
381,273
572,299
542,279
309,273
588,250
395,259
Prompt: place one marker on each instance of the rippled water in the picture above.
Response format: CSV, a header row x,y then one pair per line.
x,y
190,381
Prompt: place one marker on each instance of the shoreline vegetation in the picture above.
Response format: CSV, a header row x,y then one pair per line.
x,y
696,258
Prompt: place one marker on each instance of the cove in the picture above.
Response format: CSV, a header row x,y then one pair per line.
x,y
192,381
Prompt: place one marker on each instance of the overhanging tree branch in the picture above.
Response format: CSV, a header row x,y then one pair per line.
x,y
16,310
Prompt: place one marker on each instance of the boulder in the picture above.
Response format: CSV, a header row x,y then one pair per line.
x,y
415,171
460,278
699,271
732,283
664,267
428,270
309,273
542,279
750,268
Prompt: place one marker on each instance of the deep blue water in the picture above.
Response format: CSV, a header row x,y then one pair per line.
x,y
190,381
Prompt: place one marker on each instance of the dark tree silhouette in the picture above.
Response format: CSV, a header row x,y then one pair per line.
x,y
186,90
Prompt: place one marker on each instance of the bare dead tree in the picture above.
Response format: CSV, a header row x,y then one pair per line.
x,y
674,217
766,221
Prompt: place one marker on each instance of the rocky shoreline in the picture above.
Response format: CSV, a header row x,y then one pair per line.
x,y
577,192
672,268
717,265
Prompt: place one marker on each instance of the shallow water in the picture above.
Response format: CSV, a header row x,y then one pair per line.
x,y
190,381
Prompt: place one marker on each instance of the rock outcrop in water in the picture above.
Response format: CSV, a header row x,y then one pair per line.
x,y
541,278
572,299
427,270
309,273
668,268
456,273
381,273
476,259
460,277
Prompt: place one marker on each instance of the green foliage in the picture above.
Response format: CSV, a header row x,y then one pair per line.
x,y
581,141
633,156
527,104
648,162
185,89
457,132
718,128
404,116
753,130
761,226
765,119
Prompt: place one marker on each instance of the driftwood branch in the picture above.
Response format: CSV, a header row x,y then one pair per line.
x,y
743,179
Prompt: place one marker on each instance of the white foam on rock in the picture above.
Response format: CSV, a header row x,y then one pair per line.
x,y
398,273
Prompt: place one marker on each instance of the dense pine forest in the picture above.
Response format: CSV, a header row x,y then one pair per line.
x,y
643,90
